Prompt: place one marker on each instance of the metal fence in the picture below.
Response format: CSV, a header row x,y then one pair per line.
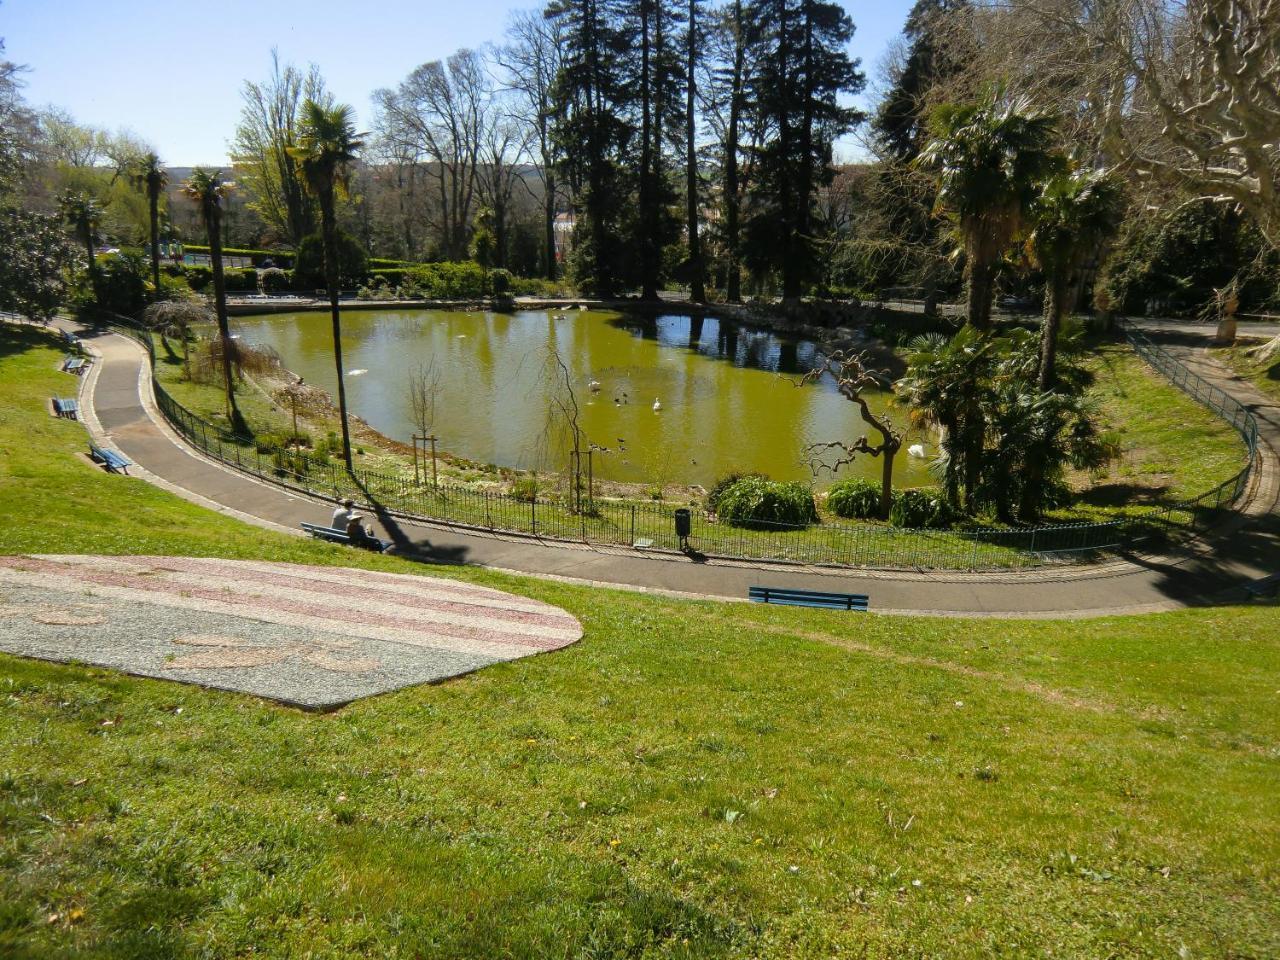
x,y
651,527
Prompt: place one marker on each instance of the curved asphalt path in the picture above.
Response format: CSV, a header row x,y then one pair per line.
x,y
118,405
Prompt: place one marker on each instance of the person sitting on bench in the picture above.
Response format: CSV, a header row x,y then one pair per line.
x,y
344,512
360,535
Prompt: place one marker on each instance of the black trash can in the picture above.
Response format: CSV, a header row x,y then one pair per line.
x,y
684,525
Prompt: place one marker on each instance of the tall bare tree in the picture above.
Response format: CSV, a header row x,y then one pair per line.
x,y
269,128
530,62
437,115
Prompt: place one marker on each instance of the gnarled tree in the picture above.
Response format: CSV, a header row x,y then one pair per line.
x,y
853,379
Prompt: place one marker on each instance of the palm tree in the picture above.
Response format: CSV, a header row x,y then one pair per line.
x,y
84,215
147,173
1078,211
208,190
945,387
327,146
991,158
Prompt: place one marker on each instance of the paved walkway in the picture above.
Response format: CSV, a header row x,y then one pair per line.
x,y
117,399
314,637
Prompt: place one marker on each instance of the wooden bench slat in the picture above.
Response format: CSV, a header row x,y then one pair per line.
x,y
794,597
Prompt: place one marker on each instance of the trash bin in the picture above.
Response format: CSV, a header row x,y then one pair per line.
x,y
684,525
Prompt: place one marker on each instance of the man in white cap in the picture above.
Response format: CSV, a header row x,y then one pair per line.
x,y
343,514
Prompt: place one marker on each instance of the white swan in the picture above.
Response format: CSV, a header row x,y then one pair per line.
x,y
657,404
356,373
916,450
593,386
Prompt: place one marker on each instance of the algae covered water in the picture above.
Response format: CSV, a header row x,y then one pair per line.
x,y
726,394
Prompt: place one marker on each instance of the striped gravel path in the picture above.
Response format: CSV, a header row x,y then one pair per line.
x,y
311,636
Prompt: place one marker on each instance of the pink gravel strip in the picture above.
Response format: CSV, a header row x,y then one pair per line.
x,y
280,604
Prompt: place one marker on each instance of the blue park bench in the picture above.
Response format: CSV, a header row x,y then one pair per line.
x,y
76,365
71,340
114,462
809,598
65,407
334,535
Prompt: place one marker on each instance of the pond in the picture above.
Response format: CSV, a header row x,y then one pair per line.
x,y
727,392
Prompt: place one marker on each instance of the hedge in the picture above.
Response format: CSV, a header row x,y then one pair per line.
x,y
281,257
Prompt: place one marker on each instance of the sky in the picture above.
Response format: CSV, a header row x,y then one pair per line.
x,y
172,73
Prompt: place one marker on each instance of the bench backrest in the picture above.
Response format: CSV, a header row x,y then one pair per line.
x,y
809,598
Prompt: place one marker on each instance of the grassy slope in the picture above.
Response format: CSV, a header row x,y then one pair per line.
x,y
1172,447
692,779
1264,374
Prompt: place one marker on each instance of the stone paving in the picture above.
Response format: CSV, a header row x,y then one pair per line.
x,y
314,637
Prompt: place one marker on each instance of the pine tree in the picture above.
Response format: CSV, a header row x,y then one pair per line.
x,y
803,69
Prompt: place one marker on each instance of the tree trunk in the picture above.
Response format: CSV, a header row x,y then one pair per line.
x,y
549,215
886,482
330,227
647,200
213,226
153,198
733,281
979,294
1055,303
697,293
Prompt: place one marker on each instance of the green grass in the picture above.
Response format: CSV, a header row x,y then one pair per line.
x,y
1263,374
692,779
1172,448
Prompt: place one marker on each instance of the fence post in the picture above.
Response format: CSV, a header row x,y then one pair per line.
x,y
533,514
633,525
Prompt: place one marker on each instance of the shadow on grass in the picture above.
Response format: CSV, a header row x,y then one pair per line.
x,y
402,545
16,338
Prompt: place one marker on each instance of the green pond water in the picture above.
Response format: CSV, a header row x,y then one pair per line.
x,y
728,395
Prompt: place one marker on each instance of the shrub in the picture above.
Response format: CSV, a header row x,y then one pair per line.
x,y
241,281
855,498
275,280
500,282
199,278
122,285
308,266
526,489
759,502
392,277
920,509
450,281
723,484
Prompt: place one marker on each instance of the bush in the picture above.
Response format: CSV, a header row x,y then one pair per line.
x,y
123,285
723,484
449,281
920,509
500,282
241,281
540,287
199,278
275,280
392,276
526,489
762,503
854,498
308,267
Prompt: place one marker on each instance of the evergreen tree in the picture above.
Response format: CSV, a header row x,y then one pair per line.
x,y
901,122
803,69
594,130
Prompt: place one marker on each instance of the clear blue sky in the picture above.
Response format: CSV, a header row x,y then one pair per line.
x,y
171,72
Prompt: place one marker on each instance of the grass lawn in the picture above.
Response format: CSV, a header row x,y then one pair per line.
x,y
1172,448
693,779
1263,374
